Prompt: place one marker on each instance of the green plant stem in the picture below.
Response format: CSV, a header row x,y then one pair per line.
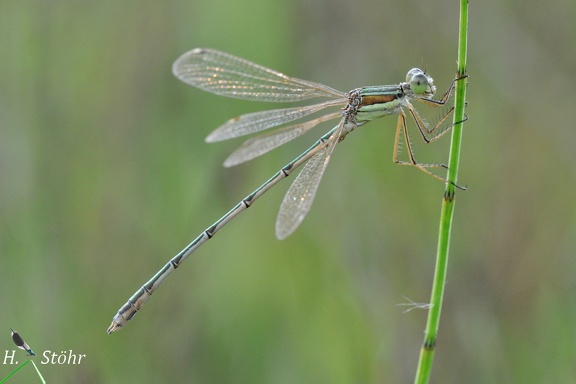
x,y
446,218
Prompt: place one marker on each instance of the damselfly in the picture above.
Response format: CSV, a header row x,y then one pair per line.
x,y
230,76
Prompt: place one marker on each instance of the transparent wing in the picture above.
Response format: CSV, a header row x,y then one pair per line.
x,y
300,195
231,76
262,144
259,121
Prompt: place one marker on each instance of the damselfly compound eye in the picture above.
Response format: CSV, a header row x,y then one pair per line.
x,y
413,72
420,84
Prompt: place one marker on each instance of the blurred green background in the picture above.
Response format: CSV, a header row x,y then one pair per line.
x,y
105,175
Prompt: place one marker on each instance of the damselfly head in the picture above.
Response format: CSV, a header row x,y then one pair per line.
x,y
420,83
